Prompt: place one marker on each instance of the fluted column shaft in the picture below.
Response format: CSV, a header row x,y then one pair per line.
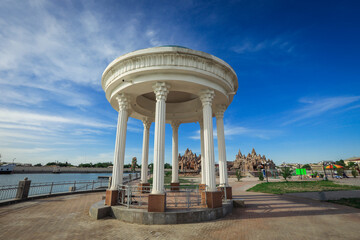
x,y
175,151
203,166
118,168
221,146
145,150
161,91
206,97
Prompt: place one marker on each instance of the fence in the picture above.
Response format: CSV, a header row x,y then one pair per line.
x,y
49,188
27,189
137,197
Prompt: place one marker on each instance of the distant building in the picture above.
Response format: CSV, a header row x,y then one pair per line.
x,y
353,159
251,162
189,161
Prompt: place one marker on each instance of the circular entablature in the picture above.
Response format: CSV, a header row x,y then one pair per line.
x,y
187,72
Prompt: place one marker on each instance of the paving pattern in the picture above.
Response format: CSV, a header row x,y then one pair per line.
x,y
265,217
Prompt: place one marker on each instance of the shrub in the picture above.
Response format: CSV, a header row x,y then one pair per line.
x,y
354,172
286,173
340,171
261,176
238,175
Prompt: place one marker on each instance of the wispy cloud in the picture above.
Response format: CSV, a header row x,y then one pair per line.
x,y
252,46
231,130
316,107
50,52
35,119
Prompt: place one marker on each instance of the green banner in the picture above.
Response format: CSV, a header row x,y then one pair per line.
x,y
300,171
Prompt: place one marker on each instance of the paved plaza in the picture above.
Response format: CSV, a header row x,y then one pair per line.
x,y
266,216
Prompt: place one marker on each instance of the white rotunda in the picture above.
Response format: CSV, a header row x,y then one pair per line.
x,y
175,85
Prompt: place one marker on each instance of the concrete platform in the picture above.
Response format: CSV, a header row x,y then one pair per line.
x,y
142,216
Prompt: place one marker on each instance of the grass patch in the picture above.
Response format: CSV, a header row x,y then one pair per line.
x,y
299,186
352,202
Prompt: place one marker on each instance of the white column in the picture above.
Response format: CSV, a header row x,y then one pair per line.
x,y
118,168
221,145
206,97
161,90
203,166
145,150
175,151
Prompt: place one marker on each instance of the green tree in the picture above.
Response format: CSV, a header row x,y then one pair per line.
x,y
307,166
167,166
261,175
133,164
151,167
340,162
238,175
351,164
286,173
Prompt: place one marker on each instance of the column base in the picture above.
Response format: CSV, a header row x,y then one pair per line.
x,y
175,186
156,203
112,197
202,187
203,197
144,187
228,192
213,199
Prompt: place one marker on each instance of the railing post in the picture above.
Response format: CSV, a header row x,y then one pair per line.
x,y
23,189
92,188
51,187
128,196
188,198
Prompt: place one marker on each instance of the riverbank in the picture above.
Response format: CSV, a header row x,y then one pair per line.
x,y
47,169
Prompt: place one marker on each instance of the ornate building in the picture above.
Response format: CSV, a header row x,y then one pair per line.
x,y
189,161
251,162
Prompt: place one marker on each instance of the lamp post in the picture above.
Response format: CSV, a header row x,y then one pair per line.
x,y
266,167
325,176
300,171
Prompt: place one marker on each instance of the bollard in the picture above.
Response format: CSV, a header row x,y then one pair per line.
x,y
23,189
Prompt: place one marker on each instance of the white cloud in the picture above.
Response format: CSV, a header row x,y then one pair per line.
x,y
317,107
35,119
251,46
231,130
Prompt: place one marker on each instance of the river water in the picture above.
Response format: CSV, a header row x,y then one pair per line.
x,y
13,179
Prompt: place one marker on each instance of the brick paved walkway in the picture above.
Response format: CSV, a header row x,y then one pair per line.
x,y
265,217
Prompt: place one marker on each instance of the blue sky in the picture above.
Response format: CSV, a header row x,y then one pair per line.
x,y
297,63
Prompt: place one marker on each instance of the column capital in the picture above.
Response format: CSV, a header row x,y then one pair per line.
x,y
161,90
206,96
175,125
147,123
123,101
220,110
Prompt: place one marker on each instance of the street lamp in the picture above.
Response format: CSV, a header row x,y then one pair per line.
x,y
325,176
266,167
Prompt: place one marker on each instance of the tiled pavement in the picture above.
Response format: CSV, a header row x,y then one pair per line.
x,y
265,217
